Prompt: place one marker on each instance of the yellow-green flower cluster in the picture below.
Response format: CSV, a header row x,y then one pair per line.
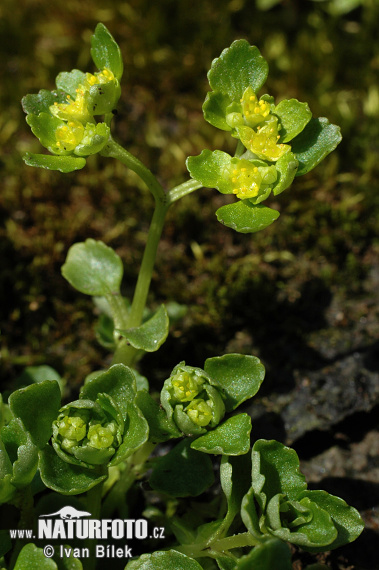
x,y
68,125
191,400
88,433
254,123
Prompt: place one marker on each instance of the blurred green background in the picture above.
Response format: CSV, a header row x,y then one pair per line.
x,y
261,293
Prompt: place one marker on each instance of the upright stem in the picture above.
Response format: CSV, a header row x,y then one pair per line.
x,y
124,352
147,265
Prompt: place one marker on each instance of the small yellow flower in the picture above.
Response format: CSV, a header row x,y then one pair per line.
x,y
104,76
69,135
200,412
254,111
245,179
264,140
186,387
73,110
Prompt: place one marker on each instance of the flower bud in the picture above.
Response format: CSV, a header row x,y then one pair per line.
x,y
88,433
191,400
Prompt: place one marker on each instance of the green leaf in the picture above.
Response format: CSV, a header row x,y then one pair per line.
x,y
22,452
118,382
66,478
37,103
346,519
183,472
238,67
230,438
249,514
93,268
43,126
267,556
152,334
37,406
214,110
105,51
238,375
169,560
294,116
286,167
61,163
279,466
33,558
161,427
314,143
69,81
245,217
137,433
318,533
211,169
235,478
35,374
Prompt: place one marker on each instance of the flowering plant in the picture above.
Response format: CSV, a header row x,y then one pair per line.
x,y
118,431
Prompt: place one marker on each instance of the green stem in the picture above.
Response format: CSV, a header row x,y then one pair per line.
x,y
182,190
125,353
114,150
218,546
119,311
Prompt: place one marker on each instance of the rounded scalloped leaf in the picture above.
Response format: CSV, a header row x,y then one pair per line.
x,y
61,163
279,465
214,110
230,438
314,143
69,81
238,375
150,335
238,67
105,51
294,116
36,103
346,519
93,268
168,560
37,406
43,126
319,532
66,478
137,433
245,217
209,168
32,557
118,382
14,437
